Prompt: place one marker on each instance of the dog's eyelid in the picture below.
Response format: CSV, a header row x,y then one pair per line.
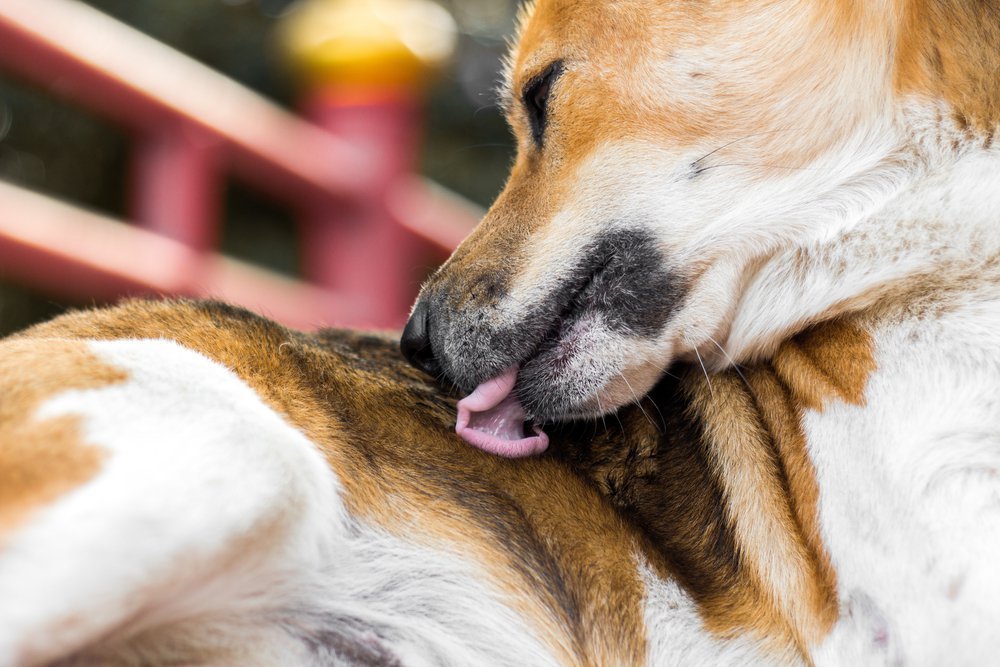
x,y
535,97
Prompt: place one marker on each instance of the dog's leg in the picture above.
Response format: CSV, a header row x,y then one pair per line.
x,y
157,489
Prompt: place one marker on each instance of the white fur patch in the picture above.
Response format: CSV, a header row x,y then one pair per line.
x,y
910,495
197,467
677,634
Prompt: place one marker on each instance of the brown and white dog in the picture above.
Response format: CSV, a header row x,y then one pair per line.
x,y
801,195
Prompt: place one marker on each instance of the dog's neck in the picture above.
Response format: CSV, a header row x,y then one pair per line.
x,y
930,205
714,472
940,216
949,50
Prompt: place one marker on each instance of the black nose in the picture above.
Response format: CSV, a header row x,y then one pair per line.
x,y
416,341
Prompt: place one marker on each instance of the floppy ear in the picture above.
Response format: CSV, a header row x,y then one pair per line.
x,y
189,504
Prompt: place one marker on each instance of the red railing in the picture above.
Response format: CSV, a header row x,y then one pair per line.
x,y
368,225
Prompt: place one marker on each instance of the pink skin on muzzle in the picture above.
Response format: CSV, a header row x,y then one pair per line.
x,y
492,419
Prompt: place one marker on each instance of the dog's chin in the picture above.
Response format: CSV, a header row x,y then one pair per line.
x,y
580,378
568,375
585,368
552,388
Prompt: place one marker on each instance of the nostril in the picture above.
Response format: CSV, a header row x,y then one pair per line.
x,y
415,343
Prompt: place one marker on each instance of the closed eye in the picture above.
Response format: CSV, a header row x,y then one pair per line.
x,y
536,100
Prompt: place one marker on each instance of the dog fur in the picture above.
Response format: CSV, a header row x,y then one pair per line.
x,y
791,204
187,483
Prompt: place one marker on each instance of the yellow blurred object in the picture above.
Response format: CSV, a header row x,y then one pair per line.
x,y
390,43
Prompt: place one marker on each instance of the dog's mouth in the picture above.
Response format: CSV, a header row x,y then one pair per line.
x,y
493,419
497,420
566,351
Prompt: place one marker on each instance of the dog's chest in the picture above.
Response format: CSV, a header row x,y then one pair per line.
x,y
909,488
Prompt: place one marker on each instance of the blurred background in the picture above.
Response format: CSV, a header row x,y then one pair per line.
x,y
60,138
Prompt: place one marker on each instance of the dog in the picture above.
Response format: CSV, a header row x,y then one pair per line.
x,y
755,241
802,200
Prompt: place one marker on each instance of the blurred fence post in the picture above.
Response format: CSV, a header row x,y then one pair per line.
x,y
370,224
177,185
363,66
357,247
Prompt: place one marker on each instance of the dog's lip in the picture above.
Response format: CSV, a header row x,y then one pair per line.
x,y
492,416
492,419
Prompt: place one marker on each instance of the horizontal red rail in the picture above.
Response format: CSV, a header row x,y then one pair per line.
x,y
80,53
63,248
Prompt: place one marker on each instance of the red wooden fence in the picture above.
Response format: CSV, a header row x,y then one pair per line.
x,y
367,223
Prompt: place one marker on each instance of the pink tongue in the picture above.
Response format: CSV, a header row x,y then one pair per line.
x,y
492,419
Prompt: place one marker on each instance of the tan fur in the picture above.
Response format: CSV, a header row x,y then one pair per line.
x,y
721,494
533,523
620,58
764,528
756,437
832,361
648,90
765,525
948,50
761,453
41,460
781,417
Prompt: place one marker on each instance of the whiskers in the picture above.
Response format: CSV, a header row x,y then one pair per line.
x,y
711,389
699,167
731,363
638,403
735,366
601,409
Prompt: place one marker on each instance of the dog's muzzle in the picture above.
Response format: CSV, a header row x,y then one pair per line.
x,y
491,417
524,361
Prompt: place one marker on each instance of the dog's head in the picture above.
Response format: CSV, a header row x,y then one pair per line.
x,y
664,149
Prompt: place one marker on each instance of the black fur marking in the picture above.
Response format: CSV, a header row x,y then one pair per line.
x,y
621,282
630,284
622,276
659,476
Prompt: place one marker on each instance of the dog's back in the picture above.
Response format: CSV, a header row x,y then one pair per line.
x,y
188,483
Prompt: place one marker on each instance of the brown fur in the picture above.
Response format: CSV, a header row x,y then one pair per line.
x,y
701,466
727,457
626,77
716,473
41,460
832,361
781,417
629,75
948,49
